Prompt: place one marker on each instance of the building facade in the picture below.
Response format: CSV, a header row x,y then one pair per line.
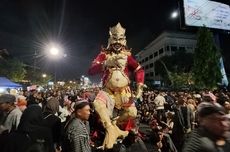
x,y
165,44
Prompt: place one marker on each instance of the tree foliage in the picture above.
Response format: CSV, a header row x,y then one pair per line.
x,y
13,69
206,68
36,77
176,69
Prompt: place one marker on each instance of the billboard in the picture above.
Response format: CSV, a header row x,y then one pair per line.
x,y
205,12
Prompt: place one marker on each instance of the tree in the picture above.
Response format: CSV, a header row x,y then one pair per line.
x,y
4,54
41,80
181,79
206,68
13,69
176,69
36,77
177,79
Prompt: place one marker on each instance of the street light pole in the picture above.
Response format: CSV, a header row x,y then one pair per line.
x,y
35,66
35,60
55,73
55,53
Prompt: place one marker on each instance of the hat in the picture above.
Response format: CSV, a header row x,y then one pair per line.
x,y
7,98
206,108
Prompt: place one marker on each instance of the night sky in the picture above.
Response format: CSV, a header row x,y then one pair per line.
x,y
81,28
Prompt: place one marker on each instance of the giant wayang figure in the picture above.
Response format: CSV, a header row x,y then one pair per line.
x,y
116,63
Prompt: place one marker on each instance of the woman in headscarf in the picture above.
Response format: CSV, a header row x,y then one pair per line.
x,y
52,121
31,135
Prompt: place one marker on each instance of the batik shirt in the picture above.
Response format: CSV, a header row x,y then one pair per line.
x,y
78,136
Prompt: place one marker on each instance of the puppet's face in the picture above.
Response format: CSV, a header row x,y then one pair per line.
x,y
117,38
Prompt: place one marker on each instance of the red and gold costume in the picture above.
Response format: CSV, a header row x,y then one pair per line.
x,y
116,63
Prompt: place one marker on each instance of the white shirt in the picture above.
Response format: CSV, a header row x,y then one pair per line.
x,y
159,102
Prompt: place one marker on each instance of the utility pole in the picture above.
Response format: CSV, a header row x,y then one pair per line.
x,y
55,73
35,61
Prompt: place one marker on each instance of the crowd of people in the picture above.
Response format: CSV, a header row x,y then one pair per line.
x,y
58,121
173,116
45,120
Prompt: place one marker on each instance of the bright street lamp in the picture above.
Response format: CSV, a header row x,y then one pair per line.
x,y
44,75
54,51
174,14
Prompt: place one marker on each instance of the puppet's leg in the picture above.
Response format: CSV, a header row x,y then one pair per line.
x,y
128,113
104,109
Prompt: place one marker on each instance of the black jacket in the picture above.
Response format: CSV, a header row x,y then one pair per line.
x,y
54,124
30,130
203,141
21,142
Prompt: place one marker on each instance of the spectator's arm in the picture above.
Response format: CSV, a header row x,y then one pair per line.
x,y
149,98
